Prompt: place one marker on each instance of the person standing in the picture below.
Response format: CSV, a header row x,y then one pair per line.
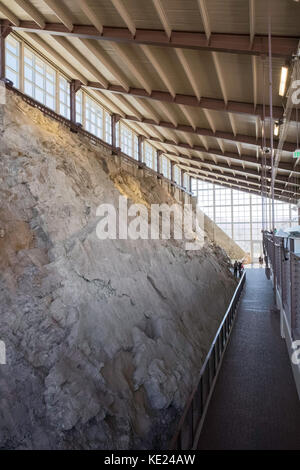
x,y
240,268
235,268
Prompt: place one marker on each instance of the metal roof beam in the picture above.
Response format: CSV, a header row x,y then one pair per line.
x,y
214,104
244,139
282,46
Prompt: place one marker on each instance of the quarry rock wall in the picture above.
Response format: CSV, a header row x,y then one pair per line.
x,y
104,338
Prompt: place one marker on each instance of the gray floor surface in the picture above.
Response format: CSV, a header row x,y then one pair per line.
x,y
255,403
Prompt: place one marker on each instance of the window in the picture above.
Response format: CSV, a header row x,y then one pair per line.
x,y
206,198
12,55
79,107
149,155
238,213
241,213
165,166
241,231
209,211
240,197
107,118
64,97
186,181
223,196
39,79
227,228
177,175
135,147
93,117
223,214
154,159
118,134
126,137
256,212
194,186
48,85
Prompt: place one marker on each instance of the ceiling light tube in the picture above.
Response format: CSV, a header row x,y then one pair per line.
x,y
283,79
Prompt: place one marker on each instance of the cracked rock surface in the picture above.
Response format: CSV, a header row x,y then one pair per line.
x,y
104,339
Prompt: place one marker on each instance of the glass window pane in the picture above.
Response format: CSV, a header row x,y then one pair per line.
x,y
28,73
50,102
12,61
39,95
39,80
12,76
12,55
28,88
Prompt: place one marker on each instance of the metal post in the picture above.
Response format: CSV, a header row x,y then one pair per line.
x,y
172,170
271,114
141,139
251,230
74,87
158,154
5,29
2,55
272,143
182,178
114,120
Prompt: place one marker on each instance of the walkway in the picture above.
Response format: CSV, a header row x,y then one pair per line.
x,y
255,404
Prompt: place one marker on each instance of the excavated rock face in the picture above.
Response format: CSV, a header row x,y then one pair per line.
x,y
104,339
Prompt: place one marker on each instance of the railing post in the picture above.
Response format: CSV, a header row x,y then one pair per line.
x,y
5,29
75,86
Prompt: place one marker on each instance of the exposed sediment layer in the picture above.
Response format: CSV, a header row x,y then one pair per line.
x,y
105,338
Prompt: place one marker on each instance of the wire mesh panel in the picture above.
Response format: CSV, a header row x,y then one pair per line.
x,y
287,278
278,265
295,294
286,290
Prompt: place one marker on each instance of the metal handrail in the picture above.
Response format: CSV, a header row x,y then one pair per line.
x,y
190,424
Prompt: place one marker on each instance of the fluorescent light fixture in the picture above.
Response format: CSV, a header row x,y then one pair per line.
x,y
283,78
276,129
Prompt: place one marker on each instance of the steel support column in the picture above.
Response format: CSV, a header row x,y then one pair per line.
x,y
172,170
75,86
5,29
182,178
158,165
141,139
114,120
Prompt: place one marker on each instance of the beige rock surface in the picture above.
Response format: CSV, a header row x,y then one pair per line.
x,y
104,338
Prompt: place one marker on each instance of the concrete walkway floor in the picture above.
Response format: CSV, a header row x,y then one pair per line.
x,y
255,403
